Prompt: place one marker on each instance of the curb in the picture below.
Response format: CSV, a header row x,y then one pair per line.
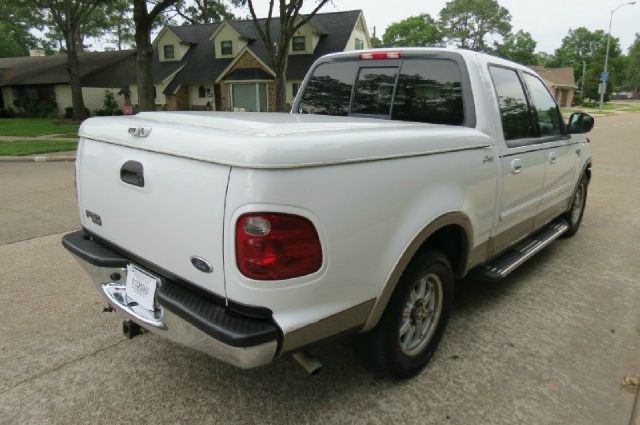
x,y
38,158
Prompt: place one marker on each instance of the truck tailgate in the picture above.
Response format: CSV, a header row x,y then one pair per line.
x,y
175,212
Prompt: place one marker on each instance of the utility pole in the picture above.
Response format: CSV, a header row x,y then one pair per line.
x,y
605,75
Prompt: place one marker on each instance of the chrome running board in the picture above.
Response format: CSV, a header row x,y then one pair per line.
x,y
502,266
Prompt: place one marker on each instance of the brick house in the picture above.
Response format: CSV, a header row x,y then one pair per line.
x,y
561,83
225,66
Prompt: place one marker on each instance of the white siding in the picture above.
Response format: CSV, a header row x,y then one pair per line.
x,y
93,97
7,97
360,32
168,37
195,100
228,33
290,96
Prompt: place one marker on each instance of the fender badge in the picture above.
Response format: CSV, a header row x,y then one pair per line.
x,y
201,264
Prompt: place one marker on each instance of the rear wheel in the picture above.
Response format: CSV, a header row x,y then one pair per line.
x,y
412,325
575,213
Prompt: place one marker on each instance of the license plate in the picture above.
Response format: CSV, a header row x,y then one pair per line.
x,y
141,287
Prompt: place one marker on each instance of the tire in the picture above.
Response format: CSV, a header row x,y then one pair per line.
x,y
390,347
576,211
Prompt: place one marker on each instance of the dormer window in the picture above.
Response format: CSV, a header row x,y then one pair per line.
x,y
298,43
359,44
169,53
226,47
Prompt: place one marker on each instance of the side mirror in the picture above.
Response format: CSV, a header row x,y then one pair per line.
x,y
579,123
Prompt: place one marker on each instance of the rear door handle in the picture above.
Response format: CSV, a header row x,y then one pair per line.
x,y
516,166
552,157
132,172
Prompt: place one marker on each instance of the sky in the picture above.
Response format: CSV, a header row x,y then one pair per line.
x,y
548,21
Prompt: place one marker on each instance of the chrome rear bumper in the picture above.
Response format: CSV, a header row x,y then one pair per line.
x,y
170,325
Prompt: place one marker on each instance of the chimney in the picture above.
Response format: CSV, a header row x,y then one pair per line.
x,y
36,52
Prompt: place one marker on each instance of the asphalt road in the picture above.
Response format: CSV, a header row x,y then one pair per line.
x,y
549,345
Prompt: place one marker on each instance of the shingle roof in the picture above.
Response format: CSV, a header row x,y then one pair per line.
x,y
248,74
53,69
557,76
202,66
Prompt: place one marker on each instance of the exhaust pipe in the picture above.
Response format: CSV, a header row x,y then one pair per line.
x,y
308,362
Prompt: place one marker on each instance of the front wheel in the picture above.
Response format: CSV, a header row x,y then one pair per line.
x,y
412,325
575,213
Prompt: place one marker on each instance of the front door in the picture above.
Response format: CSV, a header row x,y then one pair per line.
x,y
522,160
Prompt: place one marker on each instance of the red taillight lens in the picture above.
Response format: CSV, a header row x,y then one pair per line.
x,y
273,246
380,55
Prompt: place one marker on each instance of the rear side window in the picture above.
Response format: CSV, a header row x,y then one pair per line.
x,y
429,91
328,91
514,110
549,118
374,90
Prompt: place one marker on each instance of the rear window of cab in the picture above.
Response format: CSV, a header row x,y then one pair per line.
x,y
419,90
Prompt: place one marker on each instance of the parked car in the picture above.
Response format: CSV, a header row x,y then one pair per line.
x,y
250,235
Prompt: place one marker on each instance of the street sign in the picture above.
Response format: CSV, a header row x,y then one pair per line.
x,y
602,87
604,76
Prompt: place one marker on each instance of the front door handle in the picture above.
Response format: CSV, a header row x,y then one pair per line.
x,y
132,172
516,166
552,158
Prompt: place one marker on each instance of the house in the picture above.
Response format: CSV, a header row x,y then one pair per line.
x,y
45,79
561,83
225,66
219,66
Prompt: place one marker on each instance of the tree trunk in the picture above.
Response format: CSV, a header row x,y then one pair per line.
x,y
144,56
281,81
73,67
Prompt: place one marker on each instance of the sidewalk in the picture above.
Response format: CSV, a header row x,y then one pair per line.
x,y
45,157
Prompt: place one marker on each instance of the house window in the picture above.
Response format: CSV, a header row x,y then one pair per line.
x,y
168,52
249,97
202,92
359,44
298,43
226,47
294,88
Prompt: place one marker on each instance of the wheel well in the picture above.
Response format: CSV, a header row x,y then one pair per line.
x,y
452,241
587,172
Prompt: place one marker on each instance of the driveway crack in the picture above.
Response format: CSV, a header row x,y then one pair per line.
x,y
62,365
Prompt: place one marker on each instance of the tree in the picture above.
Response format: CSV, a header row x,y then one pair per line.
x,y
519,47
68,16
119,24
15,22
203,11
582,47
633,66
144,20
467,23
291,20
417,31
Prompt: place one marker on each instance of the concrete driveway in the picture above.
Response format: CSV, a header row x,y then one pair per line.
x,y
549,345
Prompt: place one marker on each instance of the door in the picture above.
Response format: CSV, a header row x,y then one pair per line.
x,y
522,160
559,150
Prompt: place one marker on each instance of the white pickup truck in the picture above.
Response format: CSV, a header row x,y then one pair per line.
x,y
250,235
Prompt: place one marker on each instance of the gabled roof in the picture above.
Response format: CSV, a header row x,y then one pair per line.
x,y
203,67
94,66
560,77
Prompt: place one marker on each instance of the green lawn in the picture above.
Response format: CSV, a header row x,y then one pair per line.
x,y
30,147
33,127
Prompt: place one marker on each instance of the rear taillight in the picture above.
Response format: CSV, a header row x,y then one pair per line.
x,y
379,55
273,246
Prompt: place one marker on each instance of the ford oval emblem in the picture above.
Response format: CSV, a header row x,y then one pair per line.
x,y
201,264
